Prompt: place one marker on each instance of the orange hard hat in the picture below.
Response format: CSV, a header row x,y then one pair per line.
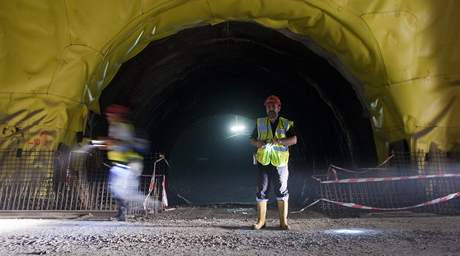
x,y
272,99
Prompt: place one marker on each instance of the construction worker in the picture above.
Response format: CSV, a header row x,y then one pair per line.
x,y
272,136
126,162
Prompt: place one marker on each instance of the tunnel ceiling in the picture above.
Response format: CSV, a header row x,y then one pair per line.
x,y
179,79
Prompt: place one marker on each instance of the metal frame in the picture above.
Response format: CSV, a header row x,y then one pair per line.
x,y
57,181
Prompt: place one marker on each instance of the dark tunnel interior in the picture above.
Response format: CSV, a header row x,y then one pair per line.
x,y
185,90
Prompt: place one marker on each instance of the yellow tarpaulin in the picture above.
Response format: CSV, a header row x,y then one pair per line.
x,y
57,56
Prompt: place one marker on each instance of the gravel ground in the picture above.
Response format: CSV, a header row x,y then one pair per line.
x,y
225,231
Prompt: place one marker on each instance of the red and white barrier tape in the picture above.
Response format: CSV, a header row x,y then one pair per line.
x,y
378,168
346,170
415,177
332,171
364,207
386,161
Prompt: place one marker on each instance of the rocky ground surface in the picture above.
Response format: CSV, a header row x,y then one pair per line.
x,y
225,231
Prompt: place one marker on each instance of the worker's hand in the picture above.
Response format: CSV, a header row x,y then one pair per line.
x,y
276,141
101,144
260,144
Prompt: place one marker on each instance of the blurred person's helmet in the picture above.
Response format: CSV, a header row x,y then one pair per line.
x,y
116,109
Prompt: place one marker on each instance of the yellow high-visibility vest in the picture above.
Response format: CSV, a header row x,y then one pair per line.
x,y
275,154
126,155
123,157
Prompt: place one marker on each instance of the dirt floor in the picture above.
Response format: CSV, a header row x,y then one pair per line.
x,y
225,231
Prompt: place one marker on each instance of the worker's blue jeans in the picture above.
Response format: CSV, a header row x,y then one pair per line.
x,y
269,176
124,182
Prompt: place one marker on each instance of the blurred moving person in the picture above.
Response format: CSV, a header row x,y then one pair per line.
x,y
127,164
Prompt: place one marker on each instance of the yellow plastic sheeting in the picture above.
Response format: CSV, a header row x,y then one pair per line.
x,y
39,122
56,57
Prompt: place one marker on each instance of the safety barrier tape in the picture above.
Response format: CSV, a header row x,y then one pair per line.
x,y
364,207
380,167
386,161
332,172
333,167
415,177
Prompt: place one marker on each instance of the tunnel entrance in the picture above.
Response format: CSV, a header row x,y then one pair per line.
x,y
184,89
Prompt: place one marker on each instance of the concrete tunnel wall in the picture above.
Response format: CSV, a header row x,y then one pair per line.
x,y
402,57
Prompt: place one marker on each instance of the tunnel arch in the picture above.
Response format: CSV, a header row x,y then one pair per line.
x,y
164,79
159,73
56,69
327,28
60,65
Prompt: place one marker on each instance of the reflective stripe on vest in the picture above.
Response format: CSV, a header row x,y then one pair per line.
x,y
277,155
280,148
